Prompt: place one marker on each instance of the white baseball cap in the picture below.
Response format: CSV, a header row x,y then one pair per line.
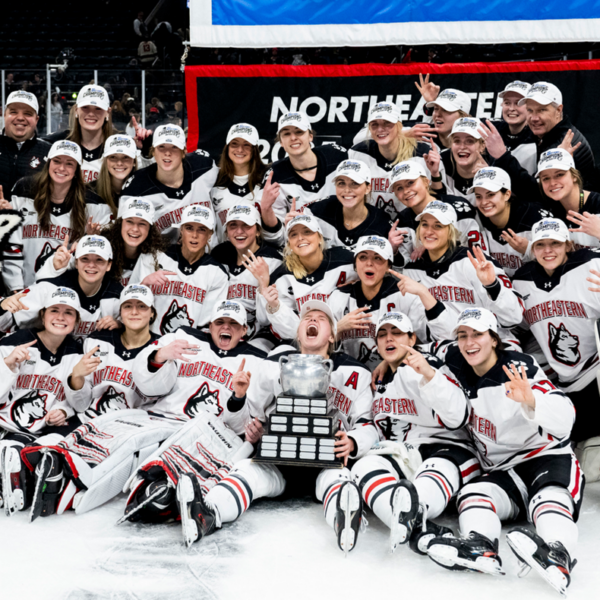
x,y
120,144
247,213
66,148
543,92
24,98
94,244
555,158
388,111
550,229
397,319
452,100
245,131
65,296
479,319
306,220
196,213
375,243
518,87
136,207
232,309
323,307
492,179
442,211
293,119
357,170
169,134
137,292
406,170
468,125
93,95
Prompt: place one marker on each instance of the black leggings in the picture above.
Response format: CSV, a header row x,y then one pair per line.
x,y
587,407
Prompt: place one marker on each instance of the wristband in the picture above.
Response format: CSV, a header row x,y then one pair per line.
x,y
155,365
436,179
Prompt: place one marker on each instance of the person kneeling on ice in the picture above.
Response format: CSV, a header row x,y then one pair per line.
x,y
349,398
520,424
420,413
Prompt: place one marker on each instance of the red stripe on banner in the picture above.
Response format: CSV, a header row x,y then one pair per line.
x,y
191,99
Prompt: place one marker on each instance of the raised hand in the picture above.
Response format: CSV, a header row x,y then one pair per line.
x,y
254,431
492,138
518,388
432,159
292,213
140,133
18,355
176,350
87,365
427,88
418,363
407,285
241,380
484,269
588,223
417,252
421,132
396,236
516,242
344,445
13,303
567,141
358,318
270,193
107,322
594,280
258,266
63,254
92,228
158,278
4,204
271,295
378,373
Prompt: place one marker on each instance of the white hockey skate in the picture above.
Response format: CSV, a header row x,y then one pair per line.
x,y
197,518
10,469
349,519
405,508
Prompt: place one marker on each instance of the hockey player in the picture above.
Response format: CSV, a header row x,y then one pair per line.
x,y
305,174
420,414
520,424
412,188
187,283
358,306
349,397
98,292
458,278
56,206
309,272
241,172
387,147
349,215
248,260
175,181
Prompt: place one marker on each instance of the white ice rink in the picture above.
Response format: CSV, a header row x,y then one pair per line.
x,y
277,550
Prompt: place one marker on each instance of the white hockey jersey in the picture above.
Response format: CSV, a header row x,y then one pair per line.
x,y
190,296
335,270
242,284
200,174
180,390
361,343
110,387
454,184
559,310
522,146
105,303
452,279
29,246
38,385
381,169
507,433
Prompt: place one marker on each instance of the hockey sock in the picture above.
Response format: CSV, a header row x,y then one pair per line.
x,y
328,486
230,497
437,480
477,512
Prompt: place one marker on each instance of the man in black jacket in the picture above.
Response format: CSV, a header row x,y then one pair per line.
x,y
21,151
549,125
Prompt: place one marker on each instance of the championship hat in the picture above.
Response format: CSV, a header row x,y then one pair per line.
x,y
93,95
452,100
244,131
136,207
555,158
247,213
517,87
66,148
169,134
65,296
375,243
232,309
293,119
120,144
468,125
94,244
323,307
196,213
479,319
406,170
397,319
23,97
550,229
357,170
306,220
543,92
388,111
492,179
137,292
443,212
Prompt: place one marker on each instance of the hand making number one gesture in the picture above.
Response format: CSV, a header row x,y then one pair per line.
x,y
241,380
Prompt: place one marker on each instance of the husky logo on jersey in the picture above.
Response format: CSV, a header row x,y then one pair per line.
x,y
47,251
203,400
28,409
388,207
111,400
386,426
564,346
176,317
538,88
35,162
366,354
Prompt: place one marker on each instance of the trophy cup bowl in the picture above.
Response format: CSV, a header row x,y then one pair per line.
x,y
305,375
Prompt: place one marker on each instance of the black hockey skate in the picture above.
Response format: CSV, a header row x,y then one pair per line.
x,y
49,482
405,509
153,502
349,517
197,518
474,553
14,481
424,531
550,560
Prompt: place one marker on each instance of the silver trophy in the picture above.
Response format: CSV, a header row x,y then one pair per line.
x,y
305,375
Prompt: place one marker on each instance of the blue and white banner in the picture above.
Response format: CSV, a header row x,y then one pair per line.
x,y
291,23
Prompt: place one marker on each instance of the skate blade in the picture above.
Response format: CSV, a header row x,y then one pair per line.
x,y
10,463
349,503
524,548
185,495
401,503
137,509
447,556
36,503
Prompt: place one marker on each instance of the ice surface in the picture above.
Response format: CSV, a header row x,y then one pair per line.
x,y
277,550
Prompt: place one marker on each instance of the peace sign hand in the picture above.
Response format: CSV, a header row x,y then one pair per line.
x,y
241,380
18,355
516,242
566,143
88,364
92,228
484,269
518,388
427,88
258,266
418,363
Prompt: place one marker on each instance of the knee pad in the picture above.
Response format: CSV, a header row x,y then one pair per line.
x,y
328,477
552,498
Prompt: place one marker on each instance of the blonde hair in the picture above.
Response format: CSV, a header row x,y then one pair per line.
x,y
406,145
292,261
453,236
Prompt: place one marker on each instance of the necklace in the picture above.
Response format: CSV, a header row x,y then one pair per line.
x,y
580,200
307,169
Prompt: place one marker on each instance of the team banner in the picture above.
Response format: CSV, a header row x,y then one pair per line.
x,y
291,23
337,98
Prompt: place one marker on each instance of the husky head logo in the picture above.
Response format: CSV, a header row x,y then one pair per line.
x,y
28,409
564,346
111,400
386,426
47,251
388,207
205,400
176,317
35,162
366,354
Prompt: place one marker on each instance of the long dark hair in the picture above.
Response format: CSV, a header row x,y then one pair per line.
x,y
153,244
227,170
75,201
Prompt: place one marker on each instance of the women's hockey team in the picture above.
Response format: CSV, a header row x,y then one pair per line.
x,y
144,316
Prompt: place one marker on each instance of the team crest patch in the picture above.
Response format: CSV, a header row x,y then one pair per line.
x,y
35,162
176,317
564,346
205,400
28,409
111,400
